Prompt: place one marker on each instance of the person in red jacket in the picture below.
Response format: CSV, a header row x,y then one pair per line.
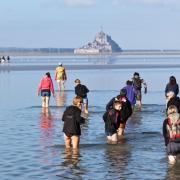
x,y
46,87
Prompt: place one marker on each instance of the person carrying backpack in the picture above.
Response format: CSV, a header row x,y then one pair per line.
x,y
171,133
81,91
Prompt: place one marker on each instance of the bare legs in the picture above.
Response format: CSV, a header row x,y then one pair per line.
x,y
73,140
61,86
45,101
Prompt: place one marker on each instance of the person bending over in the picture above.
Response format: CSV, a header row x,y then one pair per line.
x,y
111,118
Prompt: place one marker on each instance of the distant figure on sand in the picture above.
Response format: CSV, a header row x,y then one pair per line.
x,y
46,87
112,119
172,86
81,91
126,110
171,132
137,83
72,120
60,76
131,93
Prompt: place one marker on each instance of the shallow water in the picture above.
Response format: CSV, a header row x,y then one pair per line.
x,y
32,139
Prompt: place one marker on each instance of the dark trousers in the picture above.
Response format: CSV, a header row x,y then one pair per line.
x,y
173,148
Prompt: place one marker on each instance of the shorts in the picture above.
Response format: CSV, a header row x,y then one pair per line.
x,y
112,137
85,100
60,80
173,148
45,93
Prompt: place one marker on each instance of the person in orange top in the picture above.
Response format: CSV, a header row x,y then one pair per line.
x,y
60,76
46,87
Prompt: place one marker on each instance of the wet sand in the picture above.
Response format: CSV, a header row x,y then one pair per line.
x,y
9,67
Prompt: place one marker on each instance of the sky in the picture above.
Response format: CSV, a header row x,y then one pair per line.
x,y
133,24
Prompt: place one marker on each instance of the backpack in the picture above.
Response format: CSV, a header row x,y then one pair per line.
x,y
173,126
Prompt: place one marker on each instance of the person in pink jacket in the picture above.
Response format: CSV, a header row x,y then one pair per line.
x,y
46,87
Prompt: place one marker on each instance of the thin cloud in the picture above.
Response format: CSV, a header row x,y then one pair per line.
x,y
79,2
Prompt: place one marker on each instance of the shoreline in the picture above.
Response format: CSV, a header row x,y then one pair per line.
x,y
123,53
9,67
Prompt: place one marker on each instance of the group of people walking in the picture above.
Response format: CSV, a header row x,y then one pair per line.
x,y
118,110
171,124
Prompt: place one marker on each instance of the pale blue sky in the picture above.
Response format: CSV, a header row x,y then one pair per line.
x,y
133,24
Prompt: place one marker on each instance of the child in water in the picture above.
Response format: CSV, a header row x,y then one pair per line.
x,y
111,119
72,120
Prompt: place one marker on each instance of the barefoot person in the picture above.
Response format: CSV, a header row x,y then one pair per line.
x,y
126,110
81,91
45,88
111,119
60,76
72,120
171,132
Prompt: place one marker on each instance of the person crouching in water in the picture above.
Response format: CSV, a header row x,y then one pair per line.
x,y
126,110
72,120
46,87
171,133
111,118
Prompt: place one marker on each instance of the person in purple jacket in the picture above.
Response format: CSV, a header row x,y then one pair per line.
x,y
131,93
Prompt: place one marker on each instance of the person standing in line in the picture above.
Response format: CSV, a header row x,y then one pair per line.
x,y
60,76
172,86
72,120
131,93
45,88
137,83
171,133
81,91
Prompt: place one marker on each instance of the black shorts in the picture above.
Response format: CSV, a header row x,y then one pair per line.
x,y
45,92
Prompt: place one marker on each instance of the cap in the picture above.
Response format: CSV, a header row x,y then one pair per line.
x,y
60,64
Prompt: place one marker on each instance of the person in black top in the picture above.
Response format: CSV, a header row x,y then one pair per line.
x,y
111,119
126,110
72,120
81,91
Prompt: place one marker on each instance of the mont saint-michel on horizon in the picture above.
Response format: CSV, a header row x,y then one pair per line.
x,y
101,44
